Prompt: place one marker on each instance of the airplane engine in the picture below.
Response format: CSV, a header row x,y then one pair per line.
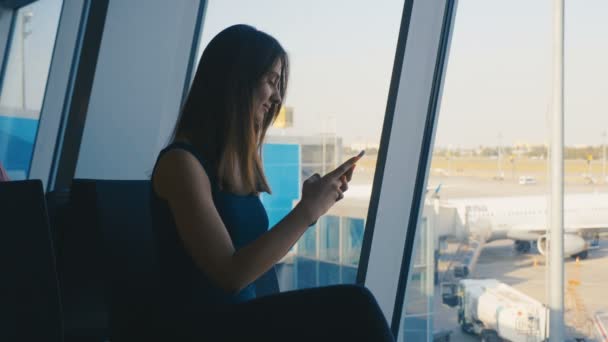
x,y
574,245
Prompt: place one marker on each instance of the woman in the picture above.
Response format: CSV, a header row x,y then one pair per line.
x,y
213,232
3,174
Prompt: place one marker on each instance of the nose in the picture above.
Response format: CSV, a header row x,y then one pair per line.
x,y
275,97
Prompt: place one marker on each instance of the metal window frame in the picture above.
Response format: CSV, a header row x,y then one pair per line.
x,y
425,159
45,89
59,88
384,139
62,123
193,63
69,91
78,36
392,303
76,102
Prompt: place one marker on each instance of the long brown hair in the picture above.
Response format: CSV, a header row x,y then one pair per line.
x,y
218,116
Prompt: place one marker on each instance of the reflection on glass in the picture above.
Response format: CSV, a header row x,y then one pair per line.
x,y
353,232
329,229
307,246
24,83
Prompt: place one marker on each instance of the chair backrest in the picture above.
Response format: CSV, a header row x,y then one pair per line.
x,y
130,255
123,209
80,263
120,234
109,258
30,306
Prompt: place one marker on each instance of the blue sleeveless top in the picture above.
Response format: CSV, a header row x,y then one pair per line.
x,y
184,287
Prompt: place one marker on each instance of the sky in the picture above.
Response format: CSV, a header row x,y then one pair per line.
x,y
498,80
499,76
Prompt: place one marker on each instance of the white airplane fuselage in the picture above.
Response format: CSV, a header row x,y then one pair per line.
x,y
525,218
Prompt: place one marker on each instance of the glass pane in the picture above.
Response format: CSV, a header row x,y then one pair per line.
x,y
487,183
24,83
329,229
341,56
586,203
479,269
353,239
419,295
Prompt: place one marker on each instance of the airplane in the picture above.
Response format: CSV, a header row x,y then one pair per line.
x,y
523,219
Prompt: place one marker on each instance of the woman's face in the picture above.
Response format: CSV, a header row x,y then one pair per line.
x,y
267,93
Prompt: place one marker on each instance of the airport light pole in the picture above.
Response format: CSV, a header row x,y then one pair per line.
x,y
500,172
604,180
27,16
556,234
323,154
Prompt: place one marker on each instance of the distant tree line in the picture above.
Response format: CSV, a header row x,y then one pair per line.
x,y
534,151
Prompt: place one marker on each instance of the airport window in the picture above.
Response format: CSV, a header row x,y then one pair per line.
x,y
416,321
24,82
307,247
498,81
335,106
329,228
353,234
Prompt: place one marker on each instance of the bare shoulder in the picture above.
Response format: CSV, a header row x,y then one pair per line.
x,y
178,171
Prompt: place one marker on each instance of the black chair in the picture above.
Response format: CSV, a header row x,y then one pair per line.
x,y
114,237
79,262
57,204
130,257
106,260
30,304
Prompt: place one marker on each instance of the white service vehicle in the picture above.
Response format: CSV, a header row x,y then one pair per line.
x,y
527,180
496,311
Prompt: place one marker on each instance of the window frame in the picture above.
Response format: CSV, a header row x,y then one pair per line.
x,y
415,132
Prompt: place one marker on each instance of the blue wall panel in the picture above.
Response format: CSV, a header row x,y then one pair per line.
x,y
17,137
282,168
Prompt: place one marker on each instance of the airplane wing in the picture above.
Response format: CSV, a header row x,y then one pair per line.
x,y
587,228
525,232
530,232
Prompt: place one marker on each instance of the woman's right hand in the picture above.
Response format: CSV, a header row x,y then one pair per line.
x,y
321,193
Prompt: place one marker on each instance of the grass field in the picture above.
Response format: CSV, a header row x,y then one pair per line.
x,y
487,168
575,170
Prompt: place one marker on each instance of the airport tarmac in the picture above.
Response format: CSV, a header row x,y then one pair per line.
x,y
585,281
585,286
498,260
464,187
